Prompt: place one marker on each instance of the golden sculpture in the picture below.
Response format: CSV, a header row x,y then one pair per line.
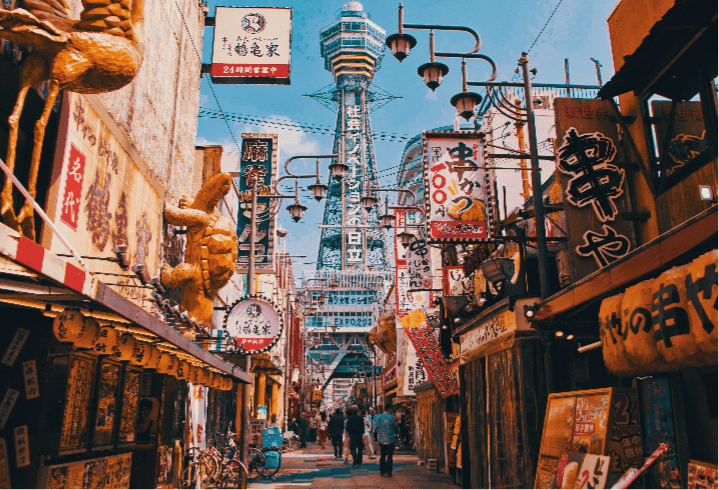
x,y
211,251
99,52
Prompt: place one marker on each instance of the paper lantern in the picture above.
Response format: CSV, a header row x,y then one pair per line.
x,y
140,354
166,363
613,333
173,365
670,317
639,343
701,289
206,377
123,349
216,379
68,326
153,355
183,370
104,340
195,375
226,384
86,339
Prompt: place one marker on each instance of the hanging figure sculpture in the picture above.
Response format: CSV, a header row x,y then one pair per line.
x,y
99,52
211,252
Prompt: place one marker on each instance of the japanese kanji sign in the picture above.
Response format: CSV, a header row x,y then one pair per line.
x,y
15,347
73,188
455,186
591,174
252,45
406,300
22,447
254,323
29,373
425,343
665,324
258,162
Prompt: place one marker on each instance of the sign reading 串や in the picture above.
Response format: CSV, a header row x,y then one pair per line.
x,y
455,187
254,323
592,178
425,343
258,161
252,45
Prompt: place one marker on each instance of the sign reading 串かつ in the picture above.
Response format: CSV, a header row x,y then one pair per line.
x,y
252,45
258,161
455,186
254,324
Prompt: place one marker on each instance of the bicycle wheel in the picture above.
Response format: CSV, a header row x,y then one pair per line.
x,y
234,475
211,465
255,464
269,473
194,471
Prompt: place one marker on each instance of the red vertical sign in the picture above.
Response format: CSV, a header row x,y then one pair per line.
x,y
73,187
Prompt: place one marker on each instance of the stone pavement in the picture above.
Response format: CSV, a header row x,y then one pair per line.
x,y
315,467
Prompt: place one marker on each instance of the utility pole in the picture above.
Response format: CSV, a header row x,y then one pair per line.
x,y
536,182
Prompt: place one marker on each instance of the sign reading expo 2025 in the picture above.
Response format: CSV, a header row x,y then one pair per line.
x,y
254,323
455,186
252,45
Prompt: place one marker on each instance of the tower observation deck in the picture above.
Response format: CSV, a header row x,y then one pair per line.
x,y
352,48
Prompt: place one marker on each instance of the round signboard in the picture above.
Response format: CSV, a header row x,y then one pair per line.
x,y
254,323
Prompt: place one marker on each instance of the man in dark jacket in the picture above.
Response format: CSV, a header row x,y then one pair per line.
x,y
304,429
355,428
336,427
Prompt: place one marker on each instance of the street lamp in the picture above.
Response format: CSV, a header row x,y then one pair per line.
x,y
318,189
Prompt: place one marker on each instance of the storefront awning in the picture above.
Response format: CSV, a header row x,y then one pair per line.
x,y
679,28
263,363
642,263
56,281
385,334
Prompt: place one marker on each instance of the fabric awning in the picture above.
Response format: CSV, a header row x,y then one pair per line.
x,y
680,28
642,263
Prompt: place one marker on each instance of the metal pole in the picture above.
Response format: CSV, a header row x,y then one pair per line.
x,y
536,182
246,388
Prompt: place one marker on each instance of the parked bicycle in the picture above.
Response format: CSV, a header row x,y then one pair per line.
x,y
210,468
266,461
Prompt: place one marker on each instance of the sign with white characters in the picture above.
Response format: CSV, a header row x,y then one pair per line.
x,y
455,186
252,45
15,347
254,323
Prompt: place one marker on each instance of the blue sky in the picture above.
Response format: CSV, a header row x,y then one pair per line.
x,y
578,31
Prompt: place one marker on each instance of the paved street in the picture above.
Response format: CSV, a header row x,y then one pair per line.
x,y
316,468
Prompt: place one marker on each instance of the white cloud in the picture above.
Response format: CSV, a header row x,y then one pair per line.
x,y
227,145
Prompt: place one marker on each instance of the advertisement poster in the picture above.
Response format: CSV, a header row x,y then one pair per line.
x,y
128,417
252,45
455,186
77,404
106,403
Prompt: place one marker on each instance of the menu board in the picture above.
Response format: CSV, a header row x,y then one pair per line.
x,y
106,403
128,415
77,404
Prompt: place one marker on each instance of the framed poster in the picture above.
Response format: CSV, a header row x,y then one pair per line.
x,y
148,415
456,186
128,410
107,403
78,394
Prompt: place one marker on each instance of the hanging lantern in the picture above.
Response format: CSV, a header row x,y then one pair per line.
x,y
104,340
216,380
140,354
165,363
465,102
124,347
85,341
432,74
183,370
69,325
401,44
226,384
154,354
195,375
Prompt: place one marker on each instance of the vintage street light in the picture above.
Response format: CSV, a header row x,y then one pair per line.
x,y
296,211
338,171
368,202
401,43
432,73
334,287
405,238
388,220
318,190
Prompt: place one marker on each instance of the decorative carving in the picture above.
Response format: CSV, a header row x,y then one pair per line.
x,y
99,52
211,251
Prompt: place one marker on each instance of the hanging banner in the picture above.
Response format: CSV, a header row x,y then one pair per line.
x,y
252,45
406,300
664,324
260,153
254,323
591,174
425,343
455,186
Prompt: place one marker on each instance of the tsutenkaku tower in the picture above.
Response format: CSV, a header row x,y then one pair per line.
x,y
352,47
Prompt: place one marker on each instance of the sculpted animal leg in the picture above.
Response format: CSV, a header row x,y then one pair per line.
x,y
26,218
185,217
175,277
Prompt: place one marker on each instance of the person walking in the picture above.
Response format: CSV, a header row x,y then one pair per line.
x,y
312,421
355,429
367,436
322,428
336,427
303,429
346,444
386,426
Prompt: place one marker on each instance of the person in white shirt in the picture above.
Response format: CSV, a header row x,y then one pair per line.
x,y
367,436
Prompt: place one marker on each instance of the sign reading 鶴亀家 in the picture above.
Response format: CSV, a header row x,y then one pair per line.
x,y
254,323
455,186
425,343
258,161
252,45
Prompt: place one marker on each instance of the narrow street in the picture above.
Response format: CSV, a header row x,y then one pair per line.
x,y
316,468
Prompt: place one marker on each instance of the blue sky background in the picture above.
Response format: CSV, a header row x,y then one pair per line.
x,y
578,31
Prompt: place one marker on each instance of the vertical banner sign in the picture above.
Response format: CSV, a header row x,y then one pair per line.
x,y
73,187
591,175
252,45
425,343
406,300
455,283
258,160
455,190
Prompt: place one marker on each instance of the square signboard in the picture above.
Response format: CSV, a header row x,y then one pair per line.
x,y
252,45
